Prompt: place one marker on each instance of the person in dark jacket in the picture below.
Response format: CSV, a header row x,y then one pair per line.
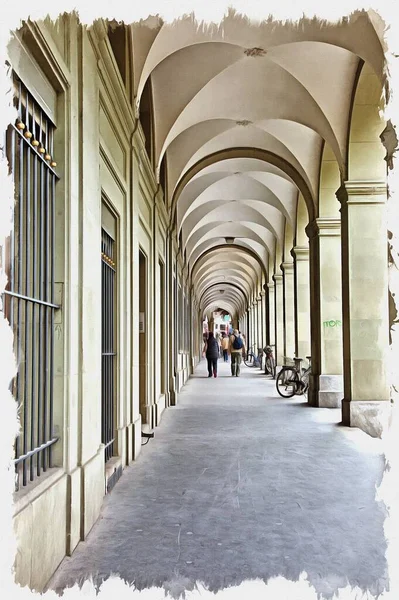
x,y
211,351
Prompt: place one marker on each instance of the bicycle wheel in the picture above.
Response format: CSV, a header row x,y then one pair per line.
x,y
249,360
271,366
287,382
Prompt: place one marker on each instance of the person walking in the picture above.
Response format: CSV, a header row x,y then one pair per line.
x,y
225,347
211,351
236,349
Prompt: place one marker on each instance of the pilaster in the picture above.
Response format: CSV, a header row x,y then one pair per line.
x,y
279,319
302,300
289,308
326,383
271,326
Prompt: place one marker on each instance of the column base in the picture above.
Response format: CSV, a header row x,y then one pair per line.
x,y
330,391
325,391
172,391
372,416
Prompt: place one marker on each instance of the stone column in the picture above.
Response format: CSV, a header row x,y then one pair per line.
x,y
259,322
326,382
366,403
256,309
263,312
271,325
302,300
254,320
211,325
250,328
255,323
279,319
289,314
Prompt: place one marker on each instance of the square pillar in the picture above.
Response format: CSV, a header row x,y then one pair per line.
x,y
263,313
279,319
366,403
250,327
271,324
302,300
259,322
326,380
255,324
289,314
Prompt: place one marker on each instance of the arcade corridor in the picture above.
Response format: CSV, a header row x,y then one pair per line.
x,y
173,180
240,484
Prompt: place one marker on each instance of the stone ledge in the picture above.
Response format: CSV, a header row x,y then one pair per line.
x,y
372,416
326,391
328,399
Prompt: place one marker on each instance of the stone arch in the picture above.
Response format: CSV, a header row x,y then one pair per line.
x,y
245,152
365,150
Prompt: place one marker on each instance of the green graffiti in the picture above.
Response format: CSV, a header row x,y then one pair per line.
x,y
332,323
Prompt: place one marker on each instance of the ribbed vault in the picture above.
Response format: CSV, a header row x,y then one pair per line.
x,y
242,114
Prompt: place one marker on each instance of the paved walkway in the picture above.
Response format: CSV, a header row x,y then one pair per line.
x,y
237,484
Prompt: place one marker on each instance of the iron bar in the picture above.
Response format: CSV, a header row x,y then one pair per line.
x,y
31,299
109,443
46,297
40,281
33,348
30,293
35,451
33,149
52,243
12,234
20,256
27,418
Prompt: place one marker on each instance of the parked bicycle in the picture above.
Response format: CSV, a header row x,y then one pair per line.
x,y
270,363
292,379
251,359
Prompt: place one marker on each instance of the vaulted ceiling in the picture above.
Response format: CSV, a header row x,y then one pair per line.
x,y
242,114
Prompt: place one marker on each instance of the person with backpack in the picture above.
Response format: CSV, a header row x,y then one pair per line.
x,y
225,347
236,349
211,351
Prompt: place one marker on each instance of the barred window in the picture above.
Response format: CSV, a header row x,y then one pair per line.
x,y
28,300
108,336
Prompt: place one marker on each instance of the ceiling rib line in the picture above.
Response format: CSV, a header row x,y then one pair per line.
x,y
244,152
223,283
235,248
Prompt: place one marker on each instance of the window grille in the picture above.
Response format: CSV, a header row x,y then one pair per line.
x,y
28,300
108,343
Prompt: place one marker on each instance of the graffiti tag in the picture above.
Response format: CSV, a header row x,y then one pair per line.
x,y
332,323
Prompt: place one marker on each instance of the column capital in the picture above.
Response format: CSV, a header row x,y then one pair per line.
x,y
300,253
326,227
287,267
262,294
362,192
270,285
278,279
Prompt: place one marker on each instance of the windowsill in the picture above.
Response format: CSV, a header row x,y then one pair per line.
x,y
111,465
34,489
